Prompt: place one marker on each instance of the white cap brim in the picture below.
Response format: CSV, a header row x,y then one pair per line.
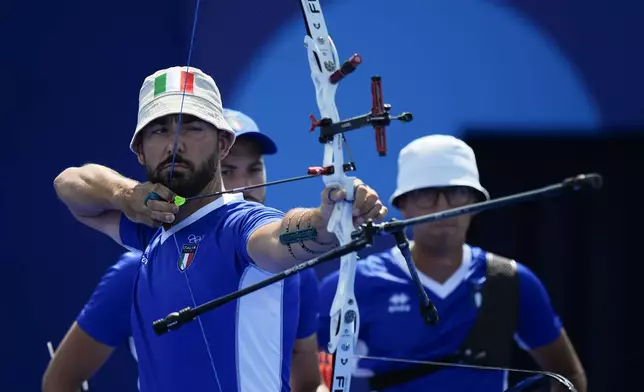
x,y
180,103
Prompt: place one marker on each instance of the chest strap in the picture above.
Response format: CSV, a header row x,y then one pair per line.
x,y
490,341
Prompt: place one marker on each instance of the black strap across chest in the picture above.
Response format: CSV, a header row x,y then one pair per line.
x,y
491,339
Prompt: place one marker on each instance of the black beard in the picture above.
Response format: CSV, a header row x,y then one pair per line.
x,y
188,183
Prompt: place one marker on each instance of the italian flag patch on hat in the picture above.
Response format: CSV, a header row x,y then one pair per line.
x,y
174,81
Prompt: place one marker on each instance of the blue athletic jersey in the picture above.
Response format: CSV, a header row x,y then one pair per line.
x,y
391,325
106,316
245,345
309,300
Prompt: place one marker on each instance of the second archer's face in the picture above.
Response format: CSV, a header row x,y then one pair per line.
x,y
444,234
244,166
199,148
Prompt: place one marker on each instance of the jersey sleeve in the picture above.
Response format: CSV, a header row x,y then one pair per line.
x,y
538,323
106,316
135,236
309,298
245,219
326,293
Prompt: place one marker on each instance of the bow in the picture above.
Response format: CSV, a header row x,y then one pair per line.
x,y
323,61
345,315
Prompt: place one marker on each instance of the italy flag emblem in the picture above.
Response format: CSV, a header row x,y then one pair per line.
x,y
187,256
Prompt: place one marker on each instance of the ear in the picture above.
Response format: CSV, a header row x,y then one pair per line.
x,y
401,204
225,143
477,199
139,153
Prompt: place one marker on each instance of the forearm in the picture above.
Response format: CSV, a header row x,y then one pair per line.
x,y
305,367
59,380
92,189
303,235
280,245
578,380
61,385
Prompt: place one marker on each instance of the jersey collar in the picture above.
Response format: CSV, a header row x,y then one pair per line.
x,y
442,290
200,213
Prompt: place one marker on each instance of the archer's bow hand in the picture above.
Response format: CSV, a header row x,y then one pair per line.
x,y
367,205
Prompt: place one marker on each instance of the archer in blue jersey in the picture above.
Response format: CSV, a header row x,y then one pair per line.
x,y
105,318
104,322
484,302
210,247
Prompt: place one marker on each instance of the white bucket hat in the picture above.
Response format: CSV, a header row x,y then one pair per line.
x,y
162,94
436,161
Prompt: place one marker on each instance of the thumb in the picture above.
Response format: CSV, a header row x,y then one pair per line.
x,y
332,194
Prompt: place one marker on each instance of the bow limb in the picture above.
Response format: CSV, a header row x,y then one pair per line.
x,y
323,61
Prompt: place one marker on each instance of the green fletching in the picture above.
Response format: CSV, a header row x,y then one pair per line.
x,y
179,201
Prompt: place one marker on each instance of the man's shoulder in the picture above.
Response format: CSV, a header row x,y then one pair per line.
x,y
379,269
125,268
523,272
128,259
383,266
237,206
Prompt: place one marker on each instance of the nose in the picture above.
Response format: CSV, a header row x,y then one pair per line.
x,y
441,202
174,140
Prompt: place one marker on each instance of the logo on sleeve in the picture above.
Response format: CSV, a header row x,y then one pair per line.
x,y
187,256
151,246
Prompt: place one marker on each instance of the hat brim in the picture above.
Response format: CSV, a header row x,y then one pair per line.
x,y
266,144
184,104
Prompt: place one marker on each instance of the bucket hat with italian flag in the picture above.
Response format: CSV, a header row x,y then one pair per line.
x,y
162,94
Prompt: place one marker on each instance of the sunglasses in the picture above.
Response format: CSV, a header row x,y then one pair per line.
x,y
456,196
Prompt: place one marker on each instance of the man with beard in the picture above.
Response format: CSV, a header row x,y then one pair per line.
x,y
210,247
485,302
104,322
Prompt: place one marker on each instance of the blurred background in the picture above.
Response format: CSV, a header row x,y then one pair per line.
x,y
541,89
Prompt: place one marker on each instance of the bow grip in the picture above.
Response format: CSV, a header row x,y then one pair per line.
x,y
341,220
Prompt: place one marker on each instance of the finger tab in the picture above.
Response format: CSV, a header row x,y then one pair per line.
x,y
165,193
151,196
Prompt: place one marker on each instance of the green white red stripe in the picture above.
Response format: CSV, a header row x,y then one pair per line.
x,y
174,81
185,260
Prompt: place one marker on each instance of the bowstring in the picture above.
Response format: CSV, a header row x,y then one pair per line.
x,y
183,92
561,379
174,155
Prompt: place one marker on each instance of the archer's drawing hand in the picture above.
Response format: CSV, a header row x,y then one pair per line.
x,y
152,213
367,205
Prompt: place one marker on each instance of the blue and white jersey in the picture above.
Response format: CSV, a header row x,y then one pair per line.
x,y
391,325
245,345
106,315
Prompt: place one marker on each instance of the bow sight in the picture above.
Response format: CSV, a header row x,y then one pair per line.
x,y
379,117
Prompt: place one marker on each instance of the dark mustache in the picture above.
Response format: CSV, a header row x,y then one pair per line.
x,y
177,160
